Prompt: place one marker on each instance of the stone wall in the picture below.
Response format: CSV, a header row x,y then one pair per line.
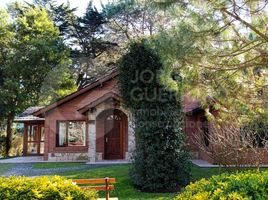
x,y
67,157
93,153
92,141
131,140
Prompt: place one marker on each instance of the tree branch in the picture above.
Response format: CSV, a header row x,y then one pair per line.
x,y
245,23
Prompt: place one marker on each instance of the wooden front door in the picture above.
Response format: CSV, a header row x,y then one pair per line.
x,y
35,139
113,138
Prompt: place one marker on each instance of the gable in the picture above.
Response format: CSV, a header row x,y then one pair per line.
x,y
70,110
84,96
112,96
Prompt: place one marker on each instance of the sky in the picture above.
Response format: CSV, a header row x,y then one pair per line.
x,y
80,4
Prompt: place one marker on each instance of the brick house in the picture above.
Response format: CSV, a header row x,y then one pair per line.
x,y
91,124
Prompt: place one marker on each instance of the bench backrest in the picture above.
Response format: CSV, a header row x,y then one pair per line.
x,y
83,183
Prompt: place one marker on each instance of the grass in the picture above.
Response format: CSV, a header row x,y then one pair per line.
x,y
199,173
124,188
4,168
57,165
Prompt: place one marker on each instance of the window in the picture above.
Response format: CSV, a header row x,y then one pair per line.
x,y
71,133
113,117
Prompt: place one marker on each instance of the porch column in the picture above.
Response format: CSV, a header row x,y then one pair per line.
x,y
131,140
92,141
25,139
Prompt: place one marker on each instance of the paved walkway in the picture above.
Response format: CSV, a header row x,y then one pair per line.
x,y
23,166
39,159
203,163
23,159
26,169
29,159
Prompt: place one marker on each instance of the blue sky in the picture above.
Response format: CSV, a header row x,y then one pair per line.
x,y
80,4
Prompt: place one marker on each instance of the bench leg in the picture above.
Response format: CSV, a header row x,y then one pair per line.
x,y
107,188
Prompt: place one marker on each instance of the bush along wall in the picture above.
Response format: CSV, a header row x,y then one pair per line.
x,y
244,185
43,188
160,161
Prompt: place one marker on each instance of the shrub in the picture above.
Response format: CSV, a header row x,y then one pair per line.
x,y
244,185
160,160
2,145
45,188
16,145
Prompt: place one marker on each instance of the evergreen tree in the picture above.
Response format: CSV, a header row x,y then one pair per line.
x,y
220,48
86,36
161,162
30,48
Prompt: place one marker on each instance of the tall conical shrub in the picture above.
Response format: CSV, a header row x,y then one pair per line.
x,y
160,161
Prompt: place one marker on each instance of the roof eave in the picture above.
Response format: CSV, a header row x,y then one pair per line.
x,y
98,101
29,120
98,82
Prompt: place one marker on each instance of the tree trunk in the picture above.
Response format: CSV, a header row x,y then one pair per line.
x,y
10,119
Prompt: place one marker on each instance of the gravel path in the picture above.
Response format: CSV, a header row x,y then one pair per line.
x,y
26,169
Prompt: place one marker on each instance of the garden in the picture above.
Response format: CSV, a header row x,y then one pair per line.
x,y
207,183
190,76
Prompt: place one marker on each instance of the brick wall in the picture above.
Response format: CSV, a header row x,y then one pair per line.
x,y
68,111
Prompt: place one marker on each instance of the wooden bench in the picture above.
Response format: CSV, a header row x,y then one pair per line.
x,y
83,183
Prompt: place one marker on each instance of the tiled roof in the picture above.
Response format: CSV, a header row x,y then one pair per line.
x,y
27,115
100,76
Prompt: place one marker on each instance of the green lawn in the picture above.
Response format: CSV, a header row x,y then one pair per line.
x,y
124,188
57,165
4,168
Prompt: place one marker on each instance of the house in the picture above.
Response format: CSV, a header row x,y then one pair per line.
x,y
92,124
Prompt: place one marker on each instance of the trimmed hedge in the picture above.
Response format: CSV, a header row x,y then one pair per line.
x,y
45,188
239,186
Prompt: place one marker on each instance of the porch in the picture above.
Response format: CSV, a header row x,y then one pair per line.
x,y
34,132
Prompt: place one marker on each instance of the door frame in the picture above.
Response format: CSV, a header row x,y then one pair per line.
x,y
100,132
121,135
